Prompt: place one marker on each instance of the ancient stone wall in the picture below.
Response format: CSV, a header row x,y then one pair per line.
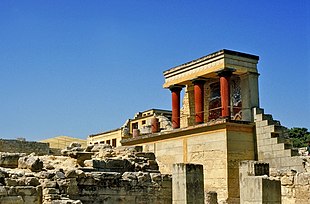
x,y
120,175
295,187
24,147
219,150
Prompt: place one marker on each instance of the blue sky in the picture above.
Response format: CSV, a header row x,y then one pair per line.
x,y
81,67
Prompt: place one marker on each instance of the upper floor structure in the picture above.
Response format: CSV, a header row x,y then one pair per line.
x,y
223,84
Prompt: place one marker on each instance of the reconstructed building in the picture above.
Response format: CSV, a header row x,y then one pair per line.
x,y
219,124
140,124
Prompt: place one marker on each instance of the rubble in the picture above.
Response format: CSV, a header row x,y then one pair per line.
x,y
95,174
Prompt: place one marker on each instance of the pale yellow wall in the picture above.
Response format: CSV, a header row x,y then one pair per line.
x,y
219,151
207,148
117,134
240,146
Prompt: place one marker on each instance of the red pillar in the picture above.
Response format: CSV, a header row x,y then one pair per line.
x,y
199,100
225,92
175,92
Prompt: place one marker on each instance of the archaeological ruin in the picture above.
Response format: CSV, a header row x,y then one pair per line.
x,y
217,146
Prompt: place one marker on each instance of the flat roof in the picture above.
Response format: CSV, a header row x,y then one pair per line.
x,y
215,54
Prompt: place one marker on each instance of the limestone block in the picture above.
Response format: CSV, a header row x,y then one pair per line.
x,y
30,162
147,155
118,165
12,199
72,188
60,175
47,183
156,177
71,173
32,181
143,177
187,181
46,174
9,160
50,191
26,190
302,179
287,180
3,191
101,164
129,176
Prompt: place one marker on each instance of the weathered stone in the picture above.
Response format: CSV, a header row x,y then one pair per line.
x,y
32,181
156,177
26,190
46,174
147,155
50,191
11,182
81,156
287,180
47,183
96,148
129,176
71,173
89,148
74,144
32,163
101,164
143,177
302,179
9,160
60,175
118,165
12,200
3,191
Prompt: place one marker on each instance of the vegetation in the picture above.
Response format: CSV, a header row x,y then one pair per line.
x,y
299,136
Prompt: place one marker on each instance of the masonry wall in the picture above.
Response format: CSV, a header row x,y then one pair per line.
x,y
211,149
240,146
14,146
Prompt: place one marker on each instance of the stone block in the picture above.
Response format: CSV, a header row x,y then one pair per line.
x,y
147,155
26,190
118,165
30,162
3,191
302,179
187,183
287,180
12,200
9,160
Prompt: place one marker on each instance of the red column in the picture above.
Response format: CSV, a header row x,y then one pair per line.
x,y
225,92
175,92
199,100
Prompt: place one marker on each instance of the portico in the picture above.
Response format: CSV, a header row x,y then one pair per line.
x,y
217,85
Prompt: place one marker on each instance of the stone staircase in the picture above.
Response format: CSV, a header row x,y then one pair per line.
x,y
273,145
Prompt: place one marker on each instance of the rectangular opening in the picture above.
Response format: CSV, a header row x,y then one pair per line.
x,y
108,142
113,142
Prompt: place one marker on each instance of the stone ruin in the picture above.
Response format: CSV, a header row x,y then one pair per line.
x,y
126,174
97,174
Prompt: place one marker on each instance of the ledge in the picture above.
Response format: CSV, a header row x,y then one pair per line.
x,y
205,127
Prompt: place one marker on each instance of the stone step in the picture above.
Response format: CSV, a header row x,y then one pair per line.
x,y
267,117
274,122
258,111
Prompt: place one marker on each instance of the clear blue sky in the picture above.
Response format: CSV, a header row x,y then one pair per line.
x,y
81,67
